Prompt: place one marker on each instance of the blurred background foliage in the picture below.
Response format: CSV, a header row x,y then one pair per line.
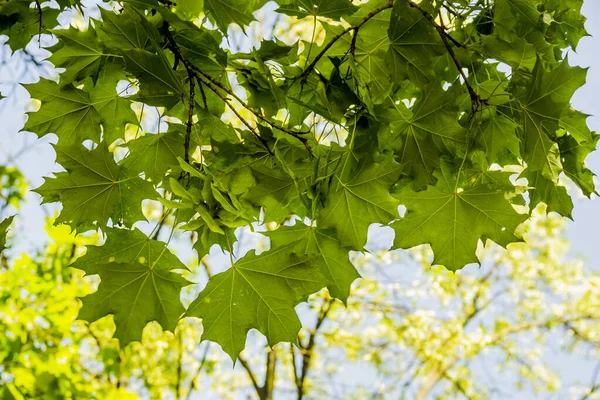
x,y
408,331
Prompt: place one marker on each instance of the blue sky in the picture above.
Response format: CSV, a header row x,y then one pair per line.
x,y
583,232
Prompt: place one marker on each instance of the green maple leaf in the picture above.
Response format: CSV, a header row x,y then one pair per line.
x,y
79,52
65,111
452,218
359,196
227,12
4,225
159,84
574,155
421,134
279,192
547,96
567,26
207,238
95,189
515,19
155,154
554,196
334,9
256,292
21,23
333,260
415,44
114,109
210,128
137,285
124,30
498,135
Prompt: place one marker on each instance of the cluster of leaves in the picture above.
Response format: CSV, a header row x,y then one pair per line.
x,y
432,105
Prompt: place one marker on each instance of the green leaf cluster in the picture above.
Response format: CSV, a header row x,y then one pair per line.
x,y
433,105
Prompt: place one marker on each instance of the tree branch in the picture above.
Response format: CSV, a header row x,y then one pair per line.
x,y
269,384
198,371
337,37
194,72
40,21
258,115
251,375
236,112
476,100
307,351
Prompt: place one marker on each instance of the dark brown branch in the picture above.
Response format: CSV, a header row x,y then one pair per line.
x,y
204,102
251,375
258,115
236,112
179,364
476,100
353,43
40,21
269,385
194,72
307,351
337,37
190,121
437,26
196,375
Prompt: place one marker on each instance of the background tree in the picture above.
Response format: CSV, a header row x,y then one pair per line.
x,y
415,334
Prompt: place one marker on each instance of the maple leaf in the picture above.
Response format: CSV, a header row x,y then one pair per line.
x,y
385,96
334,9
137,285
154,154
554,196
226,12
279,192
542,104
65,111
452,218
358,197
112,106
498,135
79,53
256,292
333,261
4,225
95,189
420,135
415,44
124,30
159,85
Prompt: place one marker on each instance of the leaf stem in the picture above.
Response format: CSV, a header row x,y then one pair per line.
x,y
476,100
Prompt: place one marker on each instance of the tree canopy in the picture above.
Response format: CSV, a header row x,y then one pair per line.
x,y
436,106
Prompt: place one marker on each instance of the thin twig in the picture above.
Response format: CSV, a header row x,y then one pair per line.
x,y
179,364
250,375
40,22
307,351
269,384
437,26
476,100
337,37
236,112
196,73
190,121
247,107
196,375
594,385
